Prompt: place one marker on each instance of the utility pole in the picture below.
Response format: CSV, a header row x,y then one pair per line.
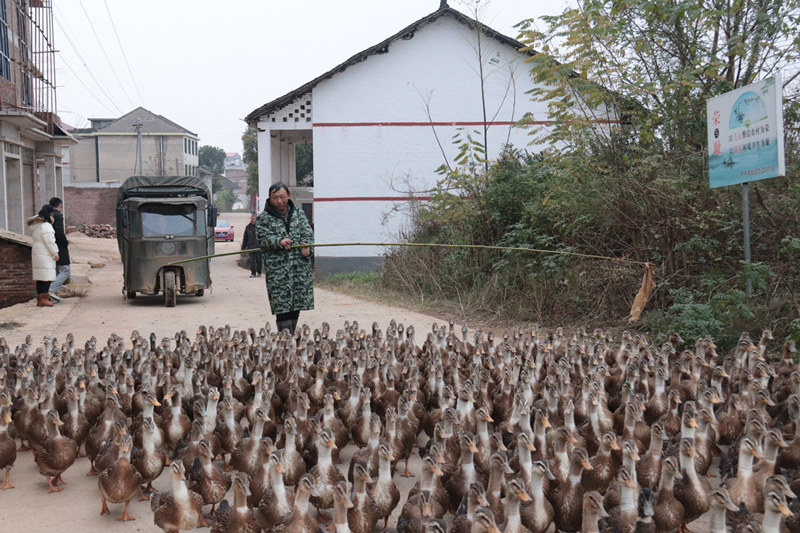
x,y
138,125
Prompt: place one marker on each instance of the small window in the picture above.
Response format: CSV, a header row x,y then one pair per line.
x,y
5,63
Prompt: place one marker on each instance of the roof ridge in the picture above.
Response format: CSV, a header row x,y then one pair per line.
x,y
444,9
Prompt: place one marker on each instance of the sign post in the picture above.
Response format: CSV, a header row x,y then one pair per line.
x,y
745,141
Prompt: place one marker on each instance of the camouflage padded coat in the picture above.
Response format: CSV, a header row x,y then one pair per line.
x,y
290,286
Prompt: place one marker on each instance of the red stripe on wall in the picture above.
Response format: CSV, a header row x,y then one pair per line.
x,y
404,124
412,124
371,199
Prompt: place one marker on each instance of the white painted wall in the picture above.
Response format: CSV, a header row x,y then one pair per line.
x,y
431,77
438,65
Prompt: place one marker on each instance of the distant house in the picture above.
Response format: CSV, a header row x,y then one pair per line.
x,y
31,132
236,172
234,160
383,121
107,151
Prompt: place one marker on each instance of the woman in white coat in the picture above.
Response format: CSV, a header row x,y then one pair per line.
x,y
44,254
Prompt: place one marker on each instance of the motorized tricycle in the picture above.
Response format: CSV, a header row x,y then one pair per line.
x,y
161,219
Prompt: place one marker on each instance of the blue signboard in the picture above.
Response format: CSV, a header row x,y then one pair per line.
x,y
745,134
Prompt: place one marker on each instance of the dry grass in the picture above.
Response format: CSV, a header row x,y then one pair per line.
x,y
369,287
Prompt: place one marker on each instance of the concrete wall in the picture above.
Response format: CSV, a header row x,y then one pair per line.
x,y
16,275
117,156
90,204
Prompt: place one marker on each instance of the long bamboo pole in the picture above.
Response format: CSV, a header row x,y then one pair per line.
x,y
418,244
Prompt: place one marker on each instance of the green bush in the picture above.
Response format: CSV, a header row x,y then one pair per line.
x,y
643,207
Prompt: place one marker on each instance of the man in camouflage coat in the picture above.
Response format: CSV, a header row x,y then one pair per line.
x,y
290,285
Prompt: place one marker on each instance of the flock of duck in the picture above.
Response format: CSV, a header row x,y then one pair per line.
x,y
537,431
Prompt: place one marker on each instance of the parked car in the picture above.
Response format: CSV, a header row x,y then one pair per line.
x,y
223,231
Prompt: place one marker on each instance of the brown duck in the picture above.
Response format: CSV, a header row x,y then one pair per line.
x,y
57,452
239,518
179,508
120,482
384,493
8,447
567,497
207,480
149,460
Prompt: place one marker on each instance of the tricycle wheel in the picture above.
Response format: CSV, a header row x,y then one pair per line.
x,y
130,294
170,293
200,292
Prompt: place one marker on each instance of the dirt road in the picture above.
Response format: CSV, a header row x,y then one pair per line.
x,y
235,299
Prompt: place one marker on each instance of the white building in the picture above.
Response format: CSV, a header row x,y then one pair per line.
x,y
382,122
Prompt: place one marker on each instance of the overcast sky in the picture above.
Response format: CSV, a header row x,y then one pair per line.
x,y
206,64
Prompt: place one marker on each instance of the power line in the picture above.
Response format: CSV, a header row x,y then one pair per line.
x,y
86,66
84,84
123,53
103,48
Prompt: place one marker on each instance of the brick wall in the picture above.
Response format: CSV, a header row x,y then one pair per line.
x,y
16,275
90,205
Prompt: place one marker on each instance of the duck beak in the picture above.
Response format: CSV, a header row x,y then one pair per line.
x,y
331,444
631,483
437,470
348,503
587,465
472,447
280,468
784,509
523,496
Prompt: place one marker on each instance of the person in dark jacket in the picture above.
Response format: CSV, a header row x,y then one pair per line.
x,y
62,265
249,242
290,285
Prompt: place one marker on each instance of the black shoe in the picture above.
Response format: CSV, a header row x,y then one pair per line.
x,y
252,275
